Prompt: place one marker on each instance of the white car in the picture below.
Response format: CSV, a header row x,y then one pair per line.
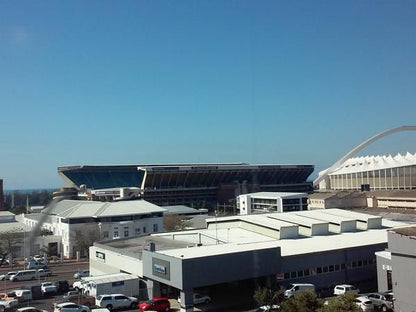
x,y
116,301
44,272
70,307
30,309
198,298
345,289
83,273
364,303
7,275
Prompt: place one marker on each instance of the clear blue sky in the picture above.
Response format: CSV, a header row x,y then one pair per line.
x,y
130,82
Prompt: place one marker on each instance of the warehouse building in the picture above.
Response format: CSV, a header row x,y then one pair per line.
x,y
320,247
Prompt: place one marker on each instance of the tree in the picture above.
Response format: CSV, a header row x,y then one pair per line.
x,y
8,242
305,301
266,297
174,223
85,238
344,303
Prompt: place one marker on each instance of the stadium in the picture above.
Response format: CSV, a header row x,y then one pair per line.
x,y
195,185
374,173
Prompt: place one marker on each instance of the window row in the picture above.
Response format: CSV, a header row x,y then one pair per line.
x,y
328,268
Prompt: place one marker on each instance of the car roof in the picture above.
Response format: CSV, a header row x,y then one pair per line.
x,y
344,285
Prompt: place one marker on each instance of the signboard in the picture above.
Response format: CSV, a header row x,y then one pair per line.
x,y
161,268
100,256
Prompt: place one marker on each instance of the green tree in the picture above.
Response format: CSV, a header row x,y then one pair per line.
x,y
344,303
267,297
305,301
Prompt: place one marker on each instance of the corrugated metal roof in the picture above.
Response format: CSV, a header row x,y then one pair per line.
x,y
84,209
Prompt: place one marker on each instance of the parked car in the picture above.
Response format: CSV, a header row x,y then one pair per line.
x,y
382,300
83,273
273,308
198,298
364,303
88,301
23,294
35,289
345,289
9,304
294,289
70,293
30,309
116,301
62,287
48,288
36,265
7,275
70,307
155,304
44,272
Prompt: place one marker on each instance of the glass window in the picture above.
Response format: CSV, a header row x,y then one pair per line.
x,y
306,272
292,274
155,227
325,269
300,273
105,234
337,267
287,275
331,268
318,270
342,266
115,234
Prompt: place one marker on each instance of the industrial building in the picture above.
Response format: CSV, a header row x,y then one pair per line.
x,y
321,247
194,185
396,267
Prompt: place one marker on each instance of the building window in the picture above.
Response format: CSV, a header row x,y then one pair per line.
x,y
318,270
306,272
137,230
155,227
115,234
292,274
144,229
126,233
105,234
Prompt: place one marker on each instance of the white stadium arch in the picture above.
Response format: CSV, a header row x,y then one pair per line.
x,y
354,151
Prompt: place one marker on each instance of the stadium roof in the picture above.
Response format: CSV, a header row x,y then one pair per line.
x,y
369,163
181,175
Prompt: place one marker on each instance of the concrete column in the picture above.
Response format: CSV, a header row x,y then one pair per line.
x,y
153,288
187,301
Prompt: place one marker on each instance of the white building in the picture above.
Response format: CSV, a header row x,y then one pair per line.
x,y
271,202
374,173
107,220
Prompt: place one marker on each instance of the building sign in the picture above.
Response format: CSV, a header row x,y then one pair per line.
x,y
100,256
117,284
386,267
161,268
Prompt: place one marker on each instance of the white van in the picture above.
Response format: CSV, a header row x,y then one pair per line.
x,y
293,289
25,275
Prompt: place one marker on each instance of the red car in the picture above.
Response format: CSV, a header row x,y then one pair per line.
x,y
155,304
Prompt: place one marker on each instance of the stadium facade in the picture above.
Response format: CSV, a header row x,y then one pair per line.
x,y
195,185
374,173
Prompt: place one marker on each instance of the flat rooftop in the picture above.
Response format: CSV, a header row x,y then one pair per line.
x,y
217,240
